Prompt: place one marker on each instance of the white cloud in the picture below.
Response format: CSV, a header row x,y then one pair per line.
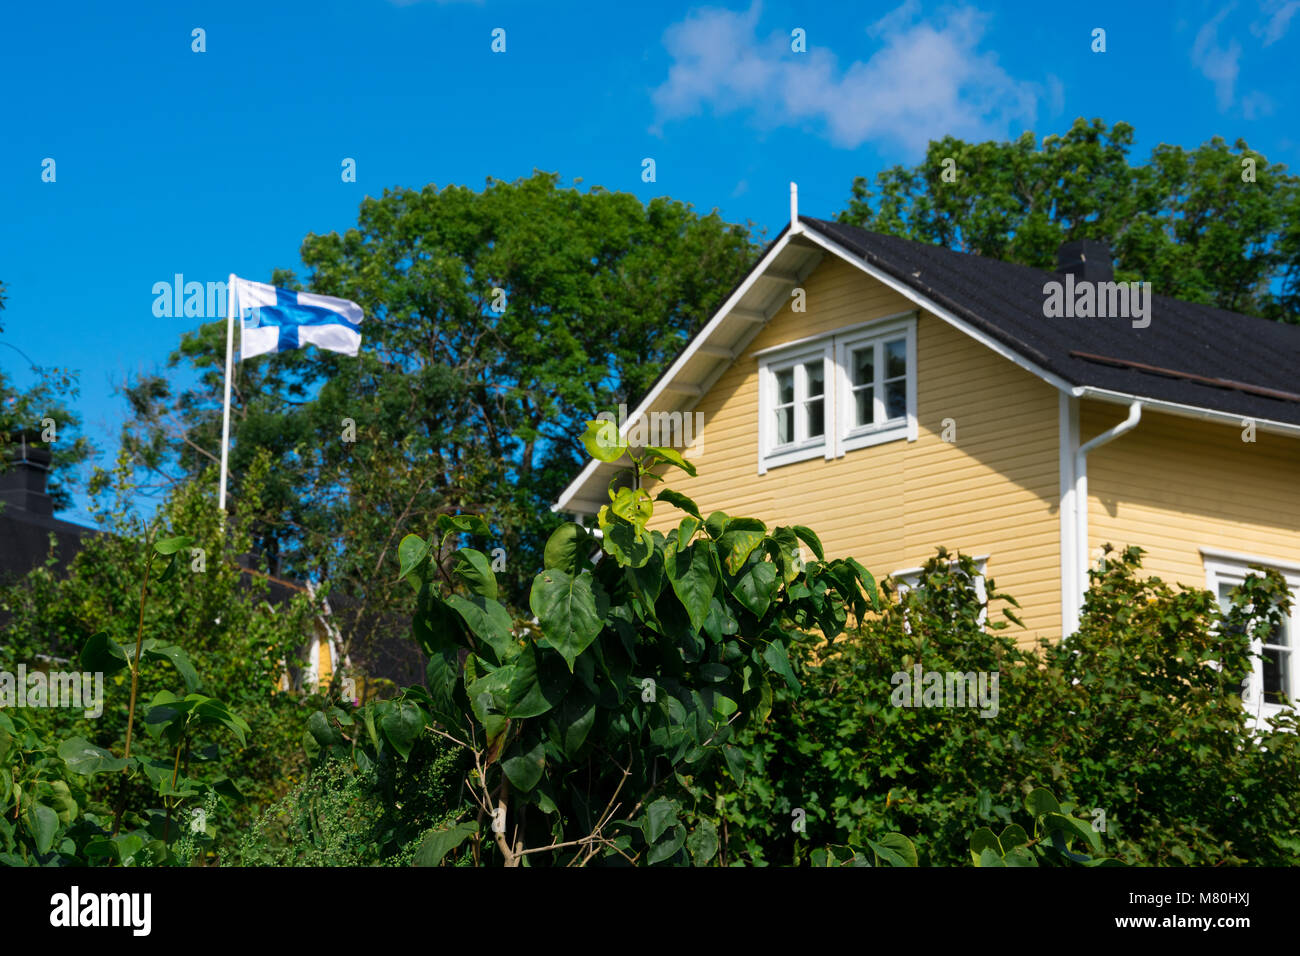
x,y
1279,14
1218,64
925,80
1255,105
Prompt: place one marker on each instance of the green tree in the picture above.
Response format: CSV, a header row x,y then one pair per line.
x,y
22,412
497,321
1218,225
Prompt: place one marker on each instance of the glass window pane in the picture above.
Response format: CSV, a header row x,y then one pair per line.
x,y
895,358
785,386
816,420
785,425
816,375
866,406
862,364
895,399
1276,675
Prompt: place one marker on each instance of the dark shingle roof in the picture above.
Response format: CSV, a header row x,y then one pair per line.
x,y
1005,301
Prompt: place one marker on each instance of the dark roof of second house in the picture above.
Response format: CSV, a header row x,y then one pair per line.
x,y
1190,354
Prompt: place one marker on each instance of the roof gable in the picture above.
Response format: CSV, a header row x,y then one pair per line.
x,y
1191,359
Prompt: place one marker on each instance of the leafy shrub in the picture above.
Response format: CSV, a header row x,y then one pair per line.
x,y
58,815
237,643
597,732
1136,721
343,815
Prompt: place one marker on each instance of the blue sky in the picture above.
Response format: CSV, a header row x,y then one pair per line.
x,y
173,161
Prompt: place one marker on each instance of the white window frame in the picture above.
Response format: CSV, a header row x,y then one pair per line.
x,y
840,435
850,437
906,579
802,448
1224,567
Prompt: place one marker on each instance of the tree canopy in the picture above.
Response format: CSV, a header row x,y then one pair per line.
x,y
497,321
1215,225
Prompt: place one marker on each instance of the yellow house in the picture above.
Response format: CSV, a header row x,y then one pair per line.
x,y
896,396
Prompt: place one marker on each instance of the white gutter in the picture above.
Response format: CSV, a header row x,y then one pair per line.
x,y
1081,500
1186,411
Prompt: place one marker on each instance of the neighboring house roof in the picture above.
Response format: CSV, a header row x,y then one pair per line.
x,y
1191,359
27,513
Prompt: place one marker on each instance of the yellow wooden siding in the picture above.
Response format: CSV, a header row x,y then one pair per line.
x,y
994,491
1174,485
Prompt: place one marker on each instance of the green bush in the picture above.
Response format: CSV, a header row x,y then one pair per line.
x,y
219,617
343,815
1135,722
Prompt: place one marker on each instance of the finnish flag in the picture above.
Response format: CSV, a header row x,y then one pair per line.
x,y
276,320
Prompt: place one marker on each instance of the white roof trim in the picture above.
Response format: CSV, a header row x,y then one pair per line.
x,y
1187,411
1220,556
663,385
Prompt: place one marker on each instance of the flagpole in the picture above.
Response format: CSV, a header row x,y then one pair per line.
x,y
225,408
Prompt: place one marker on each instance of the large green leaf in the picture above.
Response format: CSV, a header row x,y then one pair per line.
x,y
717,524
42,824
537,683
474,569
102,654
808,537
777,659
692,577
672,457
211,711
628,544
525,768
83,757
487,620
412,552
737,543
172,545
703,842
633,505
567,548
1040,802
156,650
571,610
894,849
659,816
679,500
438,843
756,587
668,846
984,841
402,725
576,717
603,441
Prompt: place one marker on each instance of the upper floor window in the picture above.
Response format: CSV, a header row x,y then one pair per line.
x,y
821,397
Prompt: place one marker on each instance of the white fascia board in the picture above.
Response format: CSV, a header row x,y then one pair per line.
x,y
1186,411
758,272
1217,558
905,290
981,561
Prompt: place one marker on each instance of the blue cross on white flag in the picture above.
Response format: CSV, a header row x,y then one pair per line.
x,y
276,320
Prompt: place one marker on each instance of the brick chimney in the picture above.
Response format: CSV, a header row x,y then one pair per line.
x,y
1086,259
22,482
